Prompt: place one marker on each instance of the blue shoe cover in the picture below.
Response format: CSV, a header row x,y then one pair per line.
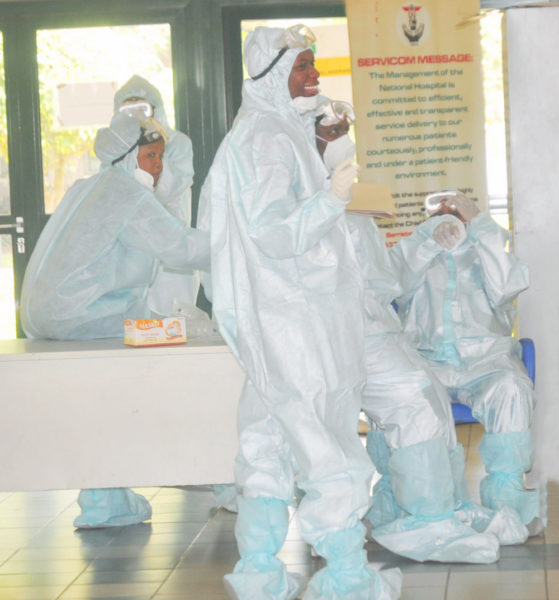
x,y
260,530
504,523
498,490
111,507
422,479
507,456
347,575
446,540
384,507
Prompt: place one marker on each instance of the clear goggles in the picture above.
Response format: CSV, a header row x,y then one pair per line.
x,y
434,201
336,111
137,107
297,36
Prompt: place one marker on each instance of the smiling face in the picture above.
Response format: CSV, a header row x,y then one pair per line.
x,y
303,79
150,159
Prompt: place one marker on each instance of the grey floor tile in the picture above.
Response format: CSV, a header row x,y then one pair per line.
x,y
421,593
111,591
198,555
129,576
128,563
497,585
43,592
36,579
43,566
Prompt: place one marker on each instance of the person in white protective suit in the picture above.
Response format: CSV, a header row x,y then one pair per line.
x,y
286,292
95,260
412,438
172,287
458,287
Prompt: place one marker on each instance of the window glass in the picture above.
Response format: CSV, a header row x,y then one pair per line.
x,y
4,179
7,301
79,71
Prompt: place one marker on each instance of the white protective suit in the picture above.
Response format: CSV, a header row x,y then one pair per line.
x,y
421,505
92,268
173,190
97,255
287,296
457,309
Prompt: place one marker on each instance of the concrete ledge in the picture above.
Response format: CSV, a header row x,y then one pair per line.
x,y
100,414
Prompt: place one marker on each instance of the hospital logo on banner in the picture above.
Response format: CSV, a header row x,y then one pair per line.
x,y
413,24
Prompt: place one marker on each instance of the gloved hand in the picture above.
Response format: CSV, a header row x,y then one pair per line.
x,y
342,180
464,206
449,234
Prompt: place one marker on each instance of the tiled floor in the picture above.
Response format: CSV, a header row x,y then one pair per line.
x,y
189,545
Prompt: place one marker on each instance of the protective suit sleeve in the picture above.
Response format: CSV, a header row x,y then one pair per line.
x,y
175,181
373,258
411,257
280,223
504,275
203,223
154,231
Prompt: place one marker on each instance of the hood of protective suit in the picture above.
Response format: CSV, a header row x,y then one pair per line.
x,y
271,92
139,87
114,141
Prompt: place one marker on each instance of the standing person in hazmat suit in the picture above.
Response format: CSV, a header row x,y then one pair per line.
x,y
172,287
95,260
287,295
426,514
458,288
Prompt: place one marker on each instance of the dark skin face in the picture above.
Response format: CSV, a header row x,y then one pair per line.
x,y
303,79
150,159
329,133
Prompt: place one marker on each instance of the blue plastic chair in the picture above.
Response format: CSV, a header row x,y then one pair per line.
x,y
463,413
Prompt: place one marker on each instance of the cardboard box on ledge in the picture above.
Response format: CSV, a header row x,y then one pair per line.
x,y
372,199
155,332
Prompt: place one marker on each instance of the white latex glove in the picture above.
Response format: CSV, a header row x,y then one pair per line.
x,y
449,233
464,206
342,180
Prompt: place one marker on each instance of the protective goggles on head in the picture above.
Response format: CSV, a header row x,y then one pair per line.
x,y
434,201
337,111
137,107
155,129
296,36
150,137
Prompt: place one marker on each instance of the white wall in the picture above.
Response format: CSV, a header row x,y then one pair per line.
x,y
532,42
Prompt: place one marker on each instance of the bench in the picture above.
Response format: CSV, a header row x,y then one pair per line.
x,y
91,414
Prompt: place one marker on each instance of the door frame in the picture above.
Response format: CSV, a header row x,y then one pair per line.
x,y
19,22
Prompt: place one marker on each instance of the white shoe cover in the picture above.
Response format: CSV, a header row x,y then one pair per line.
x,y
447,540
508,527
365,583
504,523
535,527
266,585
